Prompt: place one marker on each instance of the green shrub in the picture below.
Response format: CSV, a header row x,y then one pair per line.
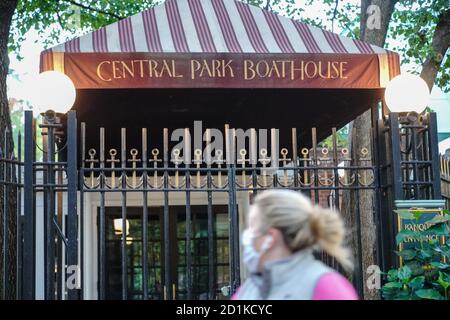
x,y
425,273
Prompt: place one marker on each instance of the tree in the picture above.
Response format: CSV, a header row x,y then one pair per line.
x,y
49,18
424,27
422,24
406,23
6,11
361,138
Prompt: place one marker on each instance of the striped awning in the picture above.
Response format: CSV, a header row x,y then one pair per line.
x,y
218,43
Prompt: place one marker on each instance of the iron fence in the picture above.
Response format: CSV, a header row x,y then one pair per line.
x,y
445,179
163,218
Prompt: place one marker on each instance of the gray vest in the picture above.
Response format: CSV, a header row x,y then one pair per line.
x,y
294,278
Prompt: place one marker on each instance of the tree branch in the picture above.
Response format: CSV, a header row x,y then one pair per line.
x,y
334,15
60,20
440,44
90,8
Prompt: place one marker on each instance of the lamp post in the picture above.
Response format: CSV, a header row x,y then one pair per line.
x,y
412,139
53,91
53,94
408,95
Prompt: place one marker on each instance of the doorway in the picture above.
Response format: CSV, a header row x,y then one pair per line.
x,y
156,256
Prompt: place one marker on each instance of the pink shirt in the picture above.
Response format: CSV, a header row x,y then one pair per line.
x,y
333,286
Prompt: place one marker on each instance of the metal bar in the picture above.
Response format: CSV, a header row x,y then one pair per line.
x,y
229,160
29,263
294,154
60,234
316,172
434,154
72,210
335,165
144,217
254,159
395,156
5,249
187,155
414,166
166,221
81,206
205,170
235,217
102,220
19,220
232,211
58,223
223,190
50,213
211,232
124,216
274,154
378,219
359,265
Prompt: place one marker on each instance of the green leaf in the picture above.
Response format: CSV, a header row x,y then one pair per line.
x,y
430,294
403,295
405,234
393,285
404,214
417,283
439,219
416,267
392,275
439,229
417,215
425,253
440,265
407,254
443,281
404,273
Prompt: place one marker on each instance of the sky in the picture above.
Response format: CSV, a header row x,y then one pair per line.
x,y
26,69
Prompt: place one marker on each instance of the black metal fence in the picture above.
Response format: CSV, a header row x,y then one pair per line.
x,y
168,214
409,169
445,179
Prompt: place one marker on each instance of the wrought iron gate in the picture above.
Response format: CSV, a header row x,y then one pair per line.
x,y
56,194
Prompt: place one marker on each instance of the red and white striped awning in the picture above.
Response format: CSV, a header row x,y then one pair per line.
x,y
218,43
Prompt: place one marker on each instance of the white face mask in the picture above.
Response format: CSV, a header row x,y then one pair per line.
x,y
251,257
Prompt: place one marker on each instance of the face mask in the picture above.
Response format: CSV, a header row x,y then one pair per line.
x,y
251,257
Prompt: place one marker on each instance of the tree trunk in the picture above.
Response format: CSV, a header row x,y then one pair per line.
x,y
374,26
440,43
7,8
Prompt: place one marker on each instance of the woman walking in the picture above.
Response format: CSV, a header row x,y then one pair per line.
x,y
284,228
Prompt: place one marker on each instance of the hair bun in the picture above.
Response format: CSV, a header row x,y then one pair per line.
x,y
315,223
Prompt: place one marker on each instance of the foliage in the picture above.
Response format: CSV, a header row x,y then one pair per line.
x,y
341,139
52,18
414,23
426,270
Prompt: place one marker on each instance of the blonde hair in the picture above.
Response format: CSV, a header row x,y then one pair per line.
x,y
303,224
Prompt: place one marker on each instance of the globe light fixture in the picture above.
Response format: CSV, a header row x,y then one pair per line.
x,y
407,93
52,91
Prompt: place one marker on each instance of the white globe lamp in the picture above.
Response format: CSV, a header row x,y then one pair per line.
x,y
52,91
407,93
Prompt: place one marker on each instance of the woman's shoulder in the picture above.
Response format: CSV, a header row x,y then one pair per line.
x,y
334,286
